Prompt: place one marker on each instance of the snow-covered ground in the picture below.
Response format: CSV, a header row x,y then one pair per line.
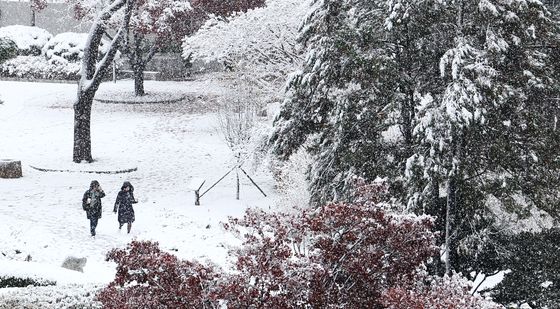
x,y
169,144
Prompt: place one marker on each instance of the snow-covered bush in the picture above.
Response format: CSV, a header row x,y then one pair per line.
x,y
333,256
39,67
69,47
345,255
60,59
8,49
29,40
150,278
435,292
51,297
292,185
10,281
341,255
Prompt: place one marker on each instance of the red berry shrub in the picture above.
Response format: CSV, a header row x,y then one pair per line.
x,y
150,278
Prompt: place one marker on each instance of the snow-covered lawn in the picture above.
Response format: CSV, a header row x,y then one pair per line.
x,y
170,144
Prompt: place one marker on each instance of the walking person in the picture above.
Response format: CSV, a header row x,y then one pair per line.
x,y
91,203
123,205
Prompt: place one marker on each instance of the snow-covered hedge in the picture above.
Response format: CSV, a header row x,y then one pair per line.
x,y
39,67
69,47
60,59
11,281
29,40
42,285
8,49
67,296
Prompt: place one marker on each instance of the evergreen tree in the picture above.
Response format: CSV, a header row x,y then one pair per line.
x,y
533,270
492,131
355,100
454,102
334,101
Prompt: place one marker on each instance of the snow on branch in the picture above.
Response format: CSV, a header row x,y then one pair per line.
x,y
91,71
263,38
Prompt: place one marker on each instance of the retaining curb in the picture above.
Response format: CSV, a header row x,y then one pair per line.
x,y
90,172
117,101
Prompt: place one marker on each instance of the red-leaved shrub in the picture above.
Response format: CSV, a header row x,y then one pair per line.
x,y
150,278
435,293
341,255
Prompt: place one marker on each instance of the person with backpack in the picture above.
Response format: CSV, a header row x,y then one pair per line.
x,y
123,204
91,203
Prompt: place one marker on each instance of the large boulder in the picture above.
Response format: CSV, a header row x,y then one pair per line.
x,y
74,263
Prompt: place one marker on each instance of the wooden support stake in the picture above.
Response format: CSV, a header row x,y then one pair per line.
x,y
197,195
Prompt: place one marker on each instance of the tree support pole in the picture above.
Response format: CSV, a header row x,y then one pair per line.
x,y
212,186
255,184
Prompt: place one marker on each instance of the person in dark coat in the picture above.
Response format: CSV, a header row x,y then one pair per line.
x,y
91,203
123,205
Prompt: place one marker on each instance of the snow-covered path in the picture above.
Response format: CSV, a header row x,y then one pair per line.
x,y
41,215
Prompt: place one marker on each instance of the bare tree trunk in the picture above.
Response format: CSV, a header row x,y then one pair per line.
x,y
452,185
92,74
449,224
138,69
138,58
32,18
408,119
82,132
138,65
237,176
439,211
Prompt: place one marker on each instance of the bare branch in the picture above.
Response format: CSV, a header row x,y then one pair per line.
x,y
92,73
